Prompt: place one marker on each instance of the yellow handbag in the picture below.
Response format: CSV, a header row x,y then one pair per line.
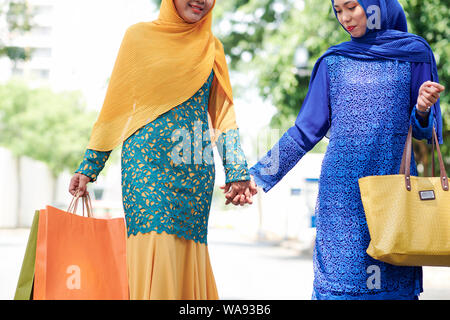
x,y
408,217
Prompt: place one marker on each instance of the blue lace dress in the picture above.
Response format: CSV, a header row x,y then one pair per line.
x,y
366,107
168,170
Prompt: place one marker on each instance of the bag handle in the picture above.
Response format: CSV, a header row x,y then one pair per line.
x,y
86,201
405,167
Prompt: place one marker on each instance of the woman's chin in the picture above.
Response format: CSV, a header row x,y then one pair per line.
x,y
356,34
192,18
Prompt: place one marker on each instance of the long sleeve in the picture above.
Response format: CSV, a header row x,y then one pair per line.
x,y
233,157
311,125
226,134
422,127
93,163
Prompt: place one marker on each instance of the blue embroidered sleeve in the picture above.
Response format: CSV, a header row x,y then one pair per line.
x,y
311,125
233,159
422,127
93,162
277,162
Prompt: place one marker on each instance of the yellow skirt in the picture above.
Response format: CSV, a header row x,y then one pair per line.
x,y
166,267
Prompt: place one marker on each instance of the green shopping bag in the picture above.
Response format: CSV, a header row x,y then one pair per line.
x,y
24,290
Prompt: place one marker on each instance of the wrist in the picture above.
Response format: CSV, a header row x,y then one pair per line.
x,y
423,110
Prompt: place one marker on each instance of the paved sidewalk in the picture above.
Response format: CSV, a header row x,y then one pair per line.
x,y
13,243
243,268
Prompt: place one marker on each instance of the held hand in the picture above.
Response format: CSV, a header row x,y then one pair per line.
x,y
429,94
239,192
78,183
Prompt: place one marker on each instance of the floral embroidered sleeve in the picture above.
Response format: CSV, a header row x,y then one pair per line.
x,y
93,162
422,127
311,125
233,158
283,156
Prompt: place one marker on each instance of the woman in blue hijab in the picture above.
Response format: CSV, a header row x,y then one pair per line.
x,y
365,93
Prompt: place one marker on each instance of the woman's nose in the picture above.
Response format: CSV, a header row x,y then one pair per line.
x,y
346,17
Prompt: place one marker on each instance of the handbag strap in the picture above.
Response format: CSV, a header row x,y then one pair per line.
x,y
444,177
405,167
86,202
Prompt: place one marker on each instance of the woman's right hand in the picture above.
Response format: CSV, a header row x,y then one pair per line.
x,y
429,93
78,183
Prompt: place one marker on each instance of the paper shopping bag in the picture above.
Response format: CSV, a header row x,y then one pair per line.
x,y
80,257
25,283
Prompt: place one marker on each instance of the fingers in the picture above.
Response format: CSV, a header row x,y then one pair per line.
x,y
238,200
78,185
226,187
425,102
242,200
248,196
431,94
73,186
253,188
247,193
231,194
432,88
436,85
240,192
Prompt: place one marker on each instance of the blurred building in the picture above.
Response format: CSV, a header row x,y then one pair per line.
x,y
39,41
74,45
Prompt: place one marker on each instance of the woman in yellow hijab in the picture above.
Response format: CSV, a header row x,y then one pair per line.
x,y
169,89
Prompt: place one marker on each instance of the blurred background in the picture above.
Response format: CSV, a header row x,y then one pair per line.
x,y
55,61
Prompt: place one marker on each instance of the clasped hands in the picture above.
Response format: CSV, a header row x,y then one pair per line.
x,y
239,192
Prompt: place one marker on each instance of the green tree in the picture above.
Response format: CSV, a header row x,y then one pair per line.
x,y
18,17
265,36
50,127
431,20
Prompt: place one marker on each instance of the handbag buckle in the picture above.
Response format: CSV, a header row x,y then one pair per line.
x,y
427,195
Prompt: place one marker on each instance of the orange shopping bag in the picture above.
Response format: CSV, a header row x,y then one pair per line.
x,y
80,257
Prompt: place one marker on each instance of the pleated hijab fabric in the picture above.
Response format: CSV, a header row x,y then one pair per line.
x,y
160,65
389,39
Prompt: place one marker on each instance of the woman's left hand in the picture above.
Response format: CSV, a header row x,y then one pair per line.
x,y
239,192
429,94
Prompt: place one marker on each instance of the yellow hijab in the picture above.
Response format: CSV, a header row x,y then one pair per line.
x,y
160,65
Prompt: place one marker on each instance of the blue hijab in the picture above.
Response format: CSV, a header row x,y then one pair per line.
x,y
388,38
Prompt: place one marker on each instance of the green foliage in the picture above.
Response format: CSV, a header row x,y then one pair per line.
x,y
279,29
264,35
18,17
43,125
431,20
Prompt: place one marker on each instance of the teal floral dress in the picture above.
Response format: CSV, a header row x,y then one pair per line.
x,y
168,170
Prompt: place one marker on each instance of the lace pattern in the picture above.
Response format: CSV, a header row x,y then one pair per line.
x,y
370,114
277,162
370,110
93,162
168,171
233,159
